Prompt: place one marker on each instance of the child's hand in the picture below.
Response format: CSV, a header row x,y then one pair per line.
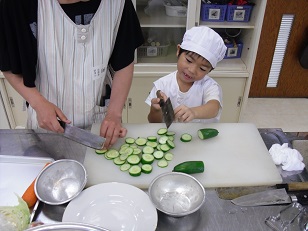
x,y
184,114
155,101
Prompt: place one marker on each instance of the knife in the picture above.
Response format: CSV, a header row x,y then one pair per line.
x,y
167,109
82,136
229,193
271,197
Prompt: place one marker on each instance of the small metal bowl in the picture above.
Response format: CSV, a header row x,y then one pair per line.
x,y
176,194
60,182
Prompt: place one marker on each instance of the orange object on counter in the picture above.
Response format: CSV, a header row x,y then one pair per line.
x,y
29,195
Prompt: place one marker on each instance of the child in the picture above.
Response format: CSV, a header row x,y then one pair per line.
x,y
194,95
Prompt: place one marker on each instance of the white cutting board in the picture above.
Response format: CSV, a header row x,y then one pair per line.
x,y
236,157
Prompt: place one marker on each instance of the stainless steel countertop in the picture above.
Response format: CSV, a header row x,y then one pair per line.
x,y
215,215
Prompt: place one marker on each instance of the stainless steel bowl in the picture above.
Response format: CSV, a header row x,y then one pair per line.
x,y
176,194
60,182
68,226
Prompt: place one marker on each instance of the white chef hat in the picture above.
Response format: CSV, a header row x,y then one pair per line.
x,y
205,42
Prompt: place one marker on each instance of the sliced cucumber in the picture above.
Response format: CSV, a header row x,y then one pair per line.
x,y
164,147
171,138
140,141
135,170
133,159
158,155
112,153
186,137
108,158
146,168
137,151
133,146
162,163
152,144
158,147
170,133
129,140
163,139
168,156
147,159
127,150
125,167
170,143
100,151
118,161
124,145
162,131
148,150
152,138
123,156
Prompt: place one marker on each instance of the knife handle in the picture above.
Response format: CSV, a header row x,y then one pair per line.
x,y
162,101
62,124
301,198
295,186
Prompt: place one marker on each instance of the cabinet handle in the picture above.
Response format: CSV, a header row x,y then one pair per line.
x,y
12,101
130,103
239,101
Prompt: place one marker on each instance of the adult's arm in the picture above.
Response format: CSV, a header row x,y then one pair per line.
x,y
47,112
111,127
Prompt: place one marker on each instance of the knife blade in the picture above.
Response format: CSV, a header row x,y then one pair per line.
x,y
271,197
167,109
82,136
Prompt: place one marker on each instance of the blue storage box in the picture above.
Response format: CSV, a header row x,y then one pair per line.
x,y
233,51
213,12
237,13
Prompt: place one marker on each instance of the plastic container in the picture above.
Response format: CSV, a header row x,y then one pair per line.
x,y
238,13
176,11
153,51
233,50
213,12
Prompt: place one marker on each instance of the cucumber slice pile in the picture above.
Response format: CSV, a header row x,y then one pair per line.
x,y
138,155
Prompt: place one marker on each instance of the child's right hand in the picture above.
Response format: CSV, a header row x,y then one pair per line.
x,y
155,101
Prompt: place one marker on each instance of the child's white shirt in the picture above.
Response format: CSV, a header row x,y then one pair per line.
x,y
199,94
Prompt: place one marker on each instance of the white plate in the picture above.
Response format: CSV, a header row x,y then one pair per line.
x,y
114,206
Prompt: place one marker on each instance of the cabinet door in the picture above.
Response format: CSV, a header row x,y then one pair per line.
x,y
137,109
18,106
233,91
4,120
163,23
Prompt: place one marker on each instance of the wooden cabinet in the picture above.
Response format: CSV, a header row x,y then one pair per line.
x,y
14,106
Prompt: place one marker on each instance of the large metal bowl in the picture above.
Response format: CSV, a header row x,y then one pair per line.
x,y
176,194
60,182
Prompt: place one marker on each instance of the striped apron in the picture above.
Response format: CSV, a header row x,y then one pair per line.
x,y
73,60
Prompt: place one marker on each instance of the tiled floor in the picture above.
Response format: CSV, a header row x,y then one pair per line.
x,y
289,114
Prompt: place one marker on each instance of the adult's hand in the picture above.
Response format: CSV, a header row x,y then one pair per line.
x,y
112,129
48,115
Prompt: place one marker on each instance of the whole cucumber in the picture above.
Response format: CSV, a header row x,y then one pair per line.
x,y
207,133
190,167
